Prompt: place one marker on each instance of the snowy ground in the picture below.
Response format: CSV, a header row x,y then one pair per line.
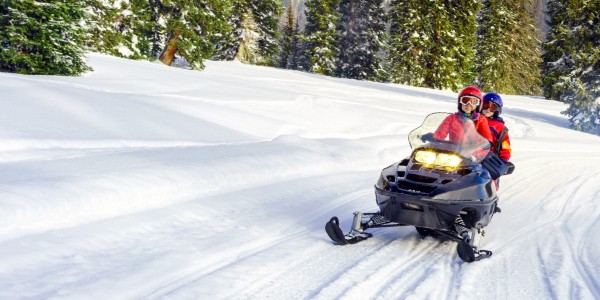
x,y
143,181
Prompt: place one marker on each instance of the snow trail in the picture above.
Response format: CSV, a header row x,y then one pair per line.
x,y
143,181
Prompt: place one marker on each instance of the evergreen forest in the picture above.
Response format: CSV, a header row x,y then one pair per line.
x,y
493,44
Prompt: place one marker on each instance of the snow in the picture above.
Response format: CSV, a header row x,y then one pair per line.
x,y
142,181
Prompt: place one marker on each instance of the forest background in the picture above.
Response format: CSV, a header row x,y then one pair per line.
x,y
547,48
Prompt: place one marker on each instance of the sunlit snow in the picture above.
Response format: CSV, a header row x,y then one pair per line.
x,y
140,181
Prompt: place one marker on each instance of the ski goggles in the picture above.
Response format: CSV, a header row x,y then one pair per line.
x,y
469,100
491,106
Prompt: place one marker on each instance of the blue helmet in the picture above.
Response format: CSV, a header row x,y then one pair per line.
x,y
496,99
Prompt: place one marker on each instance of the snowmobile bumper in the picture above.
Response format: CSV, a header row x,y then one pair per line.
x,y
423,211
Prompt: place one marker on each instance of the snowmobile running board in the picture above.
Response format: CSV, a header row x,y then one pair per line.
x,y
465,250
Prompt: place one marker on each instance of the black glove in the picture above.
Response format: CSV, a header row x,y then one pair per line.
x,y
428,137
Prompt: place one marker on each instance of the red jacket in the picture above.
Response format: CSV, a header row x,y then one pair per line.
x,y
455,126
496,126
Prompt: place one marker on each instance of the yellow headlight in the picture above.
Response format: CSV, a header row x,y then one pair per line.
x,y
425,157
438,159
447,160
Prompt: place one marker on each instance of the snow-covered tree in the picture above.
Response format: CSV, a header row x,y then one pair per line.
x,y
557,58
248,50
361,35
408,43
228,45
508,52
142,29
266,14
253,34
190,28
105,25
288,41
299,55
131,29
572,61
320,35
432,42
583,97
41,37
462,40
146,31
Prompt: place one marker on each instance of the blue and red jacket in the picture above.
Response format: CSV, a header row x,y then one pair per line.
x,y
496,127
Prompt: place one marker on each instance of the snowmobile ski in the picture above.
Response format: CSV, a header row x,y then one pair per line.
x,y
468,254
335,233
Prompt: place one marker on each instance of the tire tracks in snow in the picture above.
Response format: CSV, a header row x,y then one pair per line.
x,y
423,271
299,271
371,277
534,227
260,258
183,283
378,268
575,249
563,198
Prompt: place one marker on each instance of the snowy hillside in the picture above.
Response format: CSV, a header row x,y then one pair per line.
x,y
144,181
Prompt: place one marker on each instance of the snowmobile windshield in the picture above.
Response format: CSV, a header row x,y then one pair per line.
x,y
448,133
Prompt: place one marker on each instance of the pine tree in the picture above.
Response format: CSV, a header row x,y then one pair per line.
x,y
266,14
583,97
557,59
155,29
408,43
496,23
431,42
253,32
248,50
145,33
132,29
362,33
190,28
298,59
320,35
572,61
228,45
462,39
288,32
439,64
105,24
41,37
508,53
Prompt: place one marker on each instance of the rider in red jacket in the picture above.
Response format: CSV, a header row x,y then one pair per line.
x,y
470,101
492,108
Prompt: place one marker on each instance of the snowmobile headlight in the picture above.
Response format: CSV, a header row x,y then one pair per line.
x,y
439,159
425,157
448,160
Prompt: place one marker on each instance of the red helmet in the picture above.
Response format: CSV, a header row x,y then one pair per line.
x,y
474,92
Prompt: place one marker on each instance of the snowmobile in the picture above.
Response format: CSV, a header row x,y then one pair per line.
x,y
444,189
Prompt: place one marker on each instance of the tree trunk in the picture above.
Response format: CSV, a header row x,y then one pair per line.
x,y
168,53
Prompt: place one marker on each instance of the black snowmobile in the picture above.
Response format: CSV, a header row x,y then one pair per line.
x,y
444,189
